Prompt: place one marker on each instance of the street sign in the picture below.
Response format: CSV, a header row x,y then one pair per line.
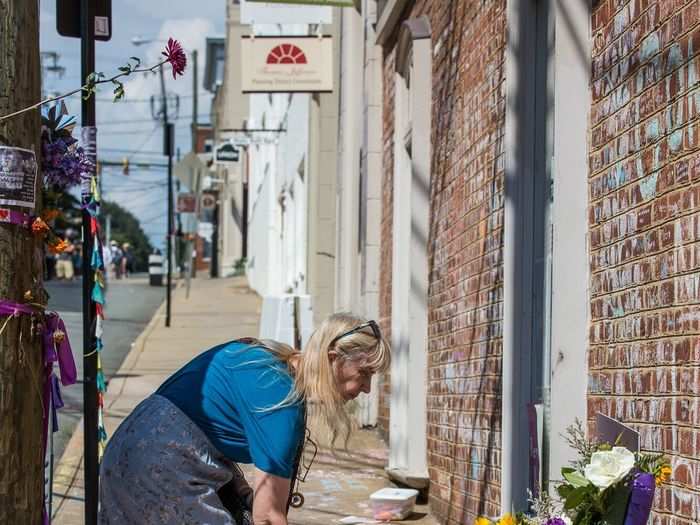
x,y
227,152
208,201
205,230
186,203
68,19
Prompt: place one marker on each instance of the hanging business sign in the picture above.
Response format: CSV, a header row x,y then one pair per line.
x,y
18,171
293,64
208,201
186,203
227,152
254,12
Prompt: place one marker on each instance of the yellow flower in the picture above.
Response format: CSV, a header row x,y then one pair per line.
x,y
59,336
663,475
507,519
482,521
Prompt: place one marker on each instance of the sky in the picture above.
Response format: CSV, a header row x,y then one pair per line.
x,y
127,129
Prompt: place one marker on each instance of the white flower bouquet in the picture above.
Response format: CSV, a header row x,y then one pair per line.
x,y
609,484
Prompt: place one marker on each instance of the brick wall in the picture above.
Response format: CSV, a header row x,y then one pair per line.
x,y
465,250
644,231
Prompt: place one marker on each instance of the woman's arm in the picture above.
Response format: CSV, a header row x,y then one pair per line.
x,y
270,502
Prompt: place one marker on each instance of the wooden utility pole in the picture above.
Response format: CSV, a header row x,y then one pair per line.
x,y
21,270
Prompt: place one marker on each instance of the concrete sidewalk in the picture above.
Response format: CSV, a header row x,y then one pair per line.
x,y
216,311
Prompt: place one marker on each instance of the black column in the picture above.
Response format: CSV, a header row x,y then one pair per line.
x,y
91,466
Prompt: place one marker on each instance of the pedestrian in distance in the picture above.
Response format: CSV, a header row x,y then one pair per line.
x,y
175,458
126,253
116,259
78,259
64,263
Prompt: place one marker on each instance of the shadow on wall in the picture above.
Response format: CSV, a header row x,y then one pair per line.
x,y
480,464
481,451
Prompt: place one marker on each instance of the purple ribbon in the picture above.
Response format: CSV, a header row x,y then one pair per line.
x,y
56,349
10,308
14,217
641,499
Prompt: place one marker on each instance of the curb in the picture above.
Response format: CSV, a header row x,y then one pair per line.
x,y
70,464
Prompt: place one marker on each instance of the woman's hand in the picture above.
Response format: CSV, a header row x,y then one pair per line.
x,y
270,502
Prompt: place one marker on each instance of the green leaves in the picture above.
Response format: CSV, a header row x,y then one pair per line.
x,y
575,498
616,501
574,477
91,81
118,90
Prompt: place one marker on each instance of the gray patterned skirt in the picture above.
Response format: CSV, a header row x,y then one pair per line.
x,y
160,468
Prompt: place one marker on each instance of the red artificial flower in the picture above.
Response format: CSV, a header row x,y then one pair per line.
x,y
176,56
39,227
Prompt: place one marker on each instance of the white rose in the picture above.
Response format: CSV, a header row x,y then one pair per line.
x,y
609,466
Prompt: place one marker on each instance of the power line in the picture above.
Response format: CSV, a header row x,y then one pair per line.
x,y
135,121
137,132
127,100
146,140
134,151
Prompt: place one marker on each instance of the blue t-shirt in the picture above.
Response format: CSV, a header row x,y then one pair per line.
x,y
227,391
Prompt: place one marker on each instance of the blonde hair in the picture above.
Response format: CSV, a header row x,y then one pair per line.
x,y
314,379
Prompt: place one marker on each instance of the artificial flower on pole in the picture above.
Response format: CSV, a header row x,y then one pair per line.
x,y
173,56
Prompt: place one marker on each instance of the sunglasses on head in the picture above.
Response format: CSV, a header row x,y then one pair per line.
x,y
369,324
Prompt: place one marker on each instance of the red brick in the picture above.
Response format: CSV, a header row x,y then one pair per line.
x,y
645,356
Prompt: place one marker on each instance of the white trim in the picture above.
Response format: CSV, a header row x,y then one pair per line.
x,y
570,294
409,319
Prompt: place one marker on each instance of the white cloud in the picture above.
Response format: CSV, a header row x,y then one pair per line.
x,y
139,192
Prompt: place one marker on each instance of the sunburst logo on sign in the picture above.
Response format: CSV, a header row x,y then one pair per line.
x,y
287,64
286,54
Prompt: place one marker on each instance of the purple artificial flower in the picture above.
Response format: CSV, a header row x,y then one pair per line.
x,y
64,166
176,56
556,520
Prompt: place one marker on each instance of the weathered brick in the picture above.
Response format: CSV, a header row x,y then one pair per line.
x,y
465,251
644,359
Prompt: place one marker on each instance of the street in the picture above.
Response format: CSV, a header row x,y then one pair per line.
x,y
130,305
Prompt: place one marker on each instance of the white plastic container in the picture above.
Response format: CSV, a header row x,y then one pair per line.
x,y
392,504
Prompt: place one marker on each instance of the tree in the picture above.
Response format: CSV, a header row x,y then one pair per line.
x,y
127,228
21,260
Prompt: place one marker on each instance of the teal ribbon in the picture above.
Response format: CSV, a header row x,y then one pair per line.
x,y
96,261
98,294
100,380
